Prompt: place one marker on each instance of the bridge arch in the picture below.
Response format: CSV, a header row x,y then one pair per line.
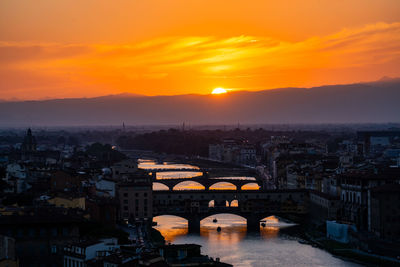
x,y
171,226
170,215
234,203
250,186
160,187
211,216
223,186
188,185
219,204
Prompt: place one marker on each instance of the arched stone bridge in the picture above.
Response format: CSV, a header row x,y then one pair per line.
x,y
206,182
195,205
210,176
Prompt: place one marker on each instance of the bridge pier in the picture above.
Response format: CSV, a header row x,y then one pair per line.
x,y
194,224
253,224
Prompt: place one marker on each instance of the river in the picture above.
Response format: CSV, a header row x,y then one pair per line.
x,y
273,246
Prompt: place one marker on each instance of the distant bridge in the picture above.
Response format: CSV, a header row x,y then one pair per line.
x,y
195,205
212,172
211,176
155,170
207,182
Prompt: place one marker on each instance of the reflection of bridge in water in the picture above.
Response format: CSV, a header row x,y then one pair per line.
x,y
210,177
195,205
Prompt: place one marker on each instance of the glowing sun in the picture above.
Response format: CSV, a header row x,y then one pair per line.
x,y
218,91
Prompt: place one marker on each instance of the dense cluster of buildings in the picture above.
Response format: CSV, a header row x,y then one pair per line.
x,y
64,206
239,152
61,207
353,181
356,184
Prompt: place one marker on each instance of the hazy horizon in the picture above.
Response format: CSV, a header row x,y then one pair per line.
x,y
373,102
127,94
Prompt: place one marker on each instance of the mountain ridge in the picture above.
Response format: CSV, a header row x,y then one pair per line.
x,y
371,102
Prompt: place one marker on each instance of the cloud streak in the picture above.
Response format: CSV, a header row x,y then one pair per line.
x,y
176,65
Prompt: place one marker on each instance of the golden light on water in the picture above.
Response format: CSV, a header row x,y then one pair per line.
x,y
218,91
233,228
269,231
171,227
271,219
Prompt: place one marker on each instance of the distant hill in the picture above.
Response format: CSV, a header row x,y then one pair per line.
x,y
373,102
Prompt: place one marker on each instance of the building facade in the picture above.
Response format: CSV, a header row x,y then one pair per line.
x,y
384,211
136,198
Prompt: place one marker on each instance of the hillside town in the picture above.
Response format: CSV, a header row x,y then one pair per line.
x,y
71,201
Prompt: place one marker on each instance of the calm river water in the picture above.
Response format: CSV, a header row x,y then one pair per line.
x,y
271,247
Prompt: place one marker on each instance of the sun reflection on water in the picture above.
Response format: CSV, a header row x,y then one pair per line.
x,y
233,228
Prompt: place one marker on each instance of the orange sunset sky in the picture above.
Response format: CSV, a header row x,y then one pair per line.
x,y
86,48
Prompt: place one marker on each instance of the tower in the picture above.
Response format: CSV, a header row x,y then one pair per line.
x,y
29,144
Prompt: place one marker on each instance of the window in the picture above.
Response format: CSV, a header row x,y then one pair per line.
x,y
31,232
125,201
54,232
42,232
42,250
53,249
125,194
20,233
65,231
125,207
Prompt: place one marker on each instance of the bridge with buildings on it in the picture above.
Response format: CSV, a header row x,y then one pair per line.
x,y
195,205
